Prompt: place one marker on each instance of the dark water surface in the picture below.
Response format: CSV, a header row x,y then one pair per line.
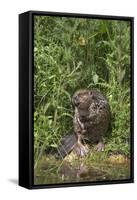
x,y
51,171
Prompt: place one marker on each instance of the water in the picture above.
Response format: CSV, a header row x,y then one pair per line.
x,y
72,169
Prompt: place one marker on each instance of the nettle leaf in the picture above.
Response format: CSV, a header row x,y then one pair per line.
x,y
95,78
54,145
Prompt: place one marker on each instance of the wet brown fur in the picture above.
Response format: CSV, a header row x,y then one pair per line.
x,y
91,115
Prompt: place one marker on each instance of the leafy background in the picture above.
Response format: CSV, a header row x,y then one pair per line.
x,y
74,53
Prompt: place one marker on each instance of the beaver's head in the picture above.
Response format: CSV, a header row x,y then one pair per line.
x,y
82,99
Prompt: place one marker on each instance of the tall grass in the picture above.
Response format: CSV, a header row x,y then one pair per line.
x,y
74,53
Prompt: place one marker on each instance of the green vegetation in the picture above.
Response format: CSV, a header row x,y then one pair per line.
x,y
73,53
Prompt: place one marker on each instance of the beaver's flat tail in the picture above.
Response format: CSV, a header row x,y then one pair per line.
x,y
67,144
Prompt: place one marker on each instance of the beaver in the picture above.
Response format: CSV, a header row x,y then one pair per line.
x,y
92,120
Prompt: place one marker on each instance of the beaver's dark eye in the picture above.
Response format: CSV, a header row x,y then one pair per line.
x,y
94,97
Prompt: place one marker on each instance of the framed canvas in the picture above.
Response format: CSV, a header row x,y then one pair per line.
x,y
75,99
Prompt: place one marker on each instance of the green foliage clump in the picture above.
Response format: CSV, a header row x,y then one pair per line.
x,y
74,53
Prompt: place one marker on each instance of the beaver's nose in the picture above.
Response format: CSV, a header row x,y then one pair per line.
x,y
83,118
76,100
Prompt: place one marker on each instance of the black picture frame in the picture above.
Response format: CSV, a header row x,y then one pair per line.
x,y
26,109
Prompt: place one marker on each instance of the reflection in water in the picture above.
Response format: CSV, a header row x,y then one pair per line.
x,y
52,171
81,173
